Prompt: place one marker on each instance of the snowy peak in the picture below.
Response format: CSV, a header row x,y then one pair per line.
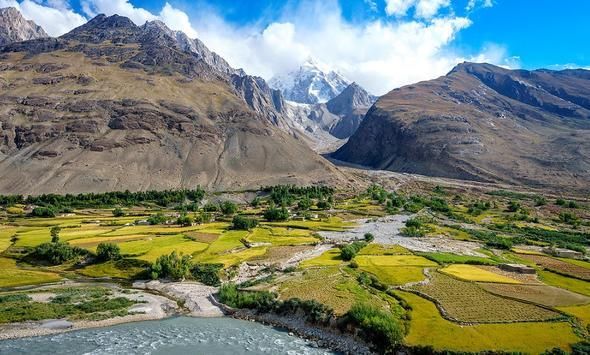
x,y
15,28
312,83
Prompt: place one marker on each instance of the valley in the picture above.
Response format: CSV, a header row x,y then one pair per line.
x,y
423,254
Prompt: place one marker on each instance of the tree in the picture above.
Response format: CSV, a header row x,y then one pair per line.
x,y
118,212
174,266
513,206
276,214
185,220
304,204
55,234
45,212
108,251
228,208
243,223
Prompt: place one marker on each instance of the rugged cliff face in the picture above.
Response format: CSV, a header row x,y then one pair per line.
x,y
114,106
484,123
15,28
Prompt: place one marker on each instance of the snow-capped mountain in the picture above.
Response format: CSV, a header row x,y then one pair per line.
x,y
310,84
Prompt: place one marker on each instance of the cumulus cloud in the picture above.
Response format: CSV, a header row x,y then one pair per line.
x,y
55,16
425,9
379,55
472,4
174,18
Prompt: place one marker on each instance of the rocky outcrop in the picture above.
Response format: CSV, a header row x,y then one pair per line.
x,y
15,28
484,123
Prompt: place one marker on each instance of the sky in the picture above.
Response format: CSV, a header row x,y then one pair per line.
x,y
380,44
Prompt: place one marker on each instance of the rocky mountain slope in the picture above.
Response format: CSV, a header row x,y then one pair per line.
x,y
485,123
114,106
15,28
309,84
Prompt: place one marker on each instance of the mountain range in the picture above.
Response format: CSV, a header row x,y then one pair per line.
x,y
482,122
113,106
310,83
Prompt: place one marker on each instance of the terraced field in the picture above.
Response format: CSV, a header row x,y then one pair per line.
x,y
540,294
328,258
474,273
428,328
562,267
467,302
395,269
11,275
332,287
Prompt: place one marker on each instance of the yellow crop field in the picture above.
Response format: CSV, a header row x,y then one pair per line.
x,y
380,249
6,233
474,273
582,313
428,328
151,248
328,258
396,275
12,275
393,260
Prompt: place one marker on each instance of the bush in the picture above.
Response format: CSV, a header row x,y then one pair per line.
x,y
157,218
185,220
256,202
324,205
57,253
174,266
228,208
210,207
369,237
540,201
108,251
414,222
348,252
377,326
118,212
569,218
243,223
54,231
513,206
276,214
44,212
412,232
263,301
207,273
304,204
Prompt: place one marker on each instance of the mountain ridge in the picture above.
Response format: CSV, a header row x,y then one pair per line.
x,y
482,122
15,28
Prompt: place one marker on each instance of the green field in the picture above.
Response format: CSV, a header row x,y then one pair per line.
x,y
13,275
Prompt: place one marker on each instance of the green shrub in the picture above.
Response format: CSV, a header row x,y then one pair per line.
x,y
324,205
44,212
55,233
207,273
513,206
243,223
185,220
118,212
57,253
304,204
157,218
174,266
108,251
276,214
228,208
349,251
263,301
377,326
210,207
412,232
369,237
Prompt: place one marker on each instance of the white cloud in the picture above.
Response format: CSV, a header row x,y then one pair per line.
x,y
472,4
429,8
398,7
378,55
174,18
55,21
424,9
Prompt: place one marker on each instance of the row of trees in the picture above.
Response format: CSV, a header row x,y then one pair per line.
x,y
107,199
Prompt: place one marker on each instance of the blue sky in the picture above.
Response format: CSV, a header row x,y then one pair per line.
x,y
382,44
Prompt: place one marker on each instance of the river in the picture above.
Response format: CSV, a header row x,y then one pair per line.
x,y
179,335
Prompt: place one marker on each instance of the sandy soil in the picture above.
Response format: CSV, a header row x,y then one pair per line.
x,y
197,298
387,231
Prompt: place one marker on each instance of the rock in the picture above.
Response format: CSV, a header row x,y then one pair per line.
x,y
58,324
15,28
